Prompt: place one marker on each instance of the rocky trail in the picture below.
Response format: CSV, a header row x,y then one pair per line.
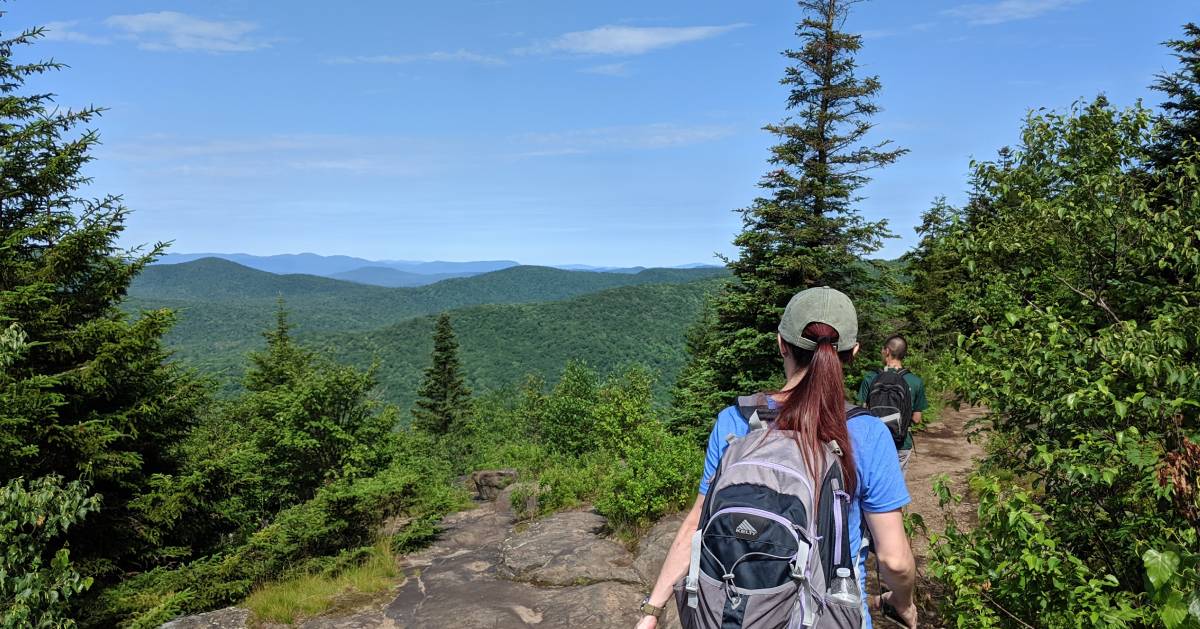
x,y
561,571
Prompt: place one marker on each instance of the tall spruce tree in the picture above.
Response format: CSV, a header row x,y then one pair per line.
x,y
90,395
1181,130
806,231
441,405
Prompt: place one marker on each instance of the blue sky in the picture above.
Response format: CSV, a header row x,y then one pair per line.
x,y
544,131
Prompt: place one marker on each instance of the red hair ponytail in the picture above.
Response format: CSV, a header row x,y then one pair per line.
x,y
816,407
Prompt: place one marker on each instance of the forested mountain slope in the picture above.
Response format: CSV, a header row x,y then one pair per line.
x,y
328,266
223,308
502,343
212,280
393,278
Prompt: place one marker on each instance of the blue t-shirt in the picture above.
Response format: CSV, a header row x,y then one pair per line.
x,y
880,483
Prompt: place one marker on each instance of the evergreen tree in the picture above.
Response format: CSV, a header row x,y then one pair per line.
x,y
806,232
442,399
936,272
1182,108
311,419
280,362
90,394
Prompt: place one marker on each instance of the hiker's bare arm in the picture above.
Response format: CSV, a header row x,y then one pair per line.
x,y
676,563
916,417
897,568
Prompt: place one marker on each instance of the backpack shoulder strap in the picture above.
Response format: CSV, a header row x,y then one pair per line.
x,y
856,411
755,410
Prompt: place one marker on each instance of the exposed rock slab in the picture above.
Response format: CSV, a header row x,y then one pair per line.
x,y
652,549
228,618
567,549
483,573
365,620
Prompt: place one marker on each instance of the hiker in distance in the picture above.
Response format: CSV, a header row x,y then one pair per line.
x,y
791,480
896,395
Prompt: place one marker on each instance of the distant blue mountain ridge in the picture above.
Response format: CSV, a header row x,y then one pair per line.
x,y
392,273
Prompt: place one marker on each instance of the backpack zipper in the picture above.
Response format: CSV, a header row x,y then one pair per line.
x,y
839,496
774,517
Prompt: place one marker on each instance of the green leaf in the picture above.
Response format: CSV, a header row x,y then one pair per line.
x,y
1173,611
1160,566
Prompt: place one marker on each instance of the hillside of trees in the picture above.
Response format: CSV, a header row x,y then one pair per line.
x,y
392,278
501,345
330,266
325,304
1064,296
222,309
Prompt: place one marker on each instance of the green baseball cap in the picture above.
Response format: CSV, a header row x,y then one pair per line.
x,y
820,305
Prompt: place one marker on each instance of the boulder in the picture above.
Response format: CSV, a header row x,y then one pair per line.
x,y
228,618
566,549
600,605
488,483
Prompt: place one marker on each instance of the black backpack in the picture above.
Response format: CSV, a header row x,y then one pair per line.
x,y
890,400
772,550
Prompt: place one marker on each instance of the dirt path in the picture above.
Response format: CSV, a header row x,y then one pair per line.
x,y
942,448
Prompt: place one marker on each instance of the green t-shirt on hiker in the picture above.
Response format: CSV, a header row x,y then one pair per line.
x,y
916,387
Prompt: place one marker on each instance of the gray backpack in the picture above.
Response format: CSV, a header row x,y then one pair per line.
x,y
773,547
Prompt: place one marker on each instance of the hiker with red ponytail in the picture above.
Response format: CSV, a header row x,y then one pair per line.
x,y
793,481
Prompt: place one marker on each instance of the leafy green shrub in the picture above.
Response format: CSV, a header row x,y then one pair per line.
x,y
623,404
567,418
656,475
569,483
325,534
1082,278
37,581
1015,558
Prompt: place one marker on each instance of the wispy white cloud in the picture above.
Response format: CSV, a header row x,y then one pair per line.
x,y
66,31
167,147
463,56
171,30
1007,10
627,40
267,157
608,69
634,137
883,33
260,157
551,152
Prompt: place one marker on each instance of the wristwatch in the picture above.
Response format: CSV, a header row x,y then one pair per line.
x,y
651,610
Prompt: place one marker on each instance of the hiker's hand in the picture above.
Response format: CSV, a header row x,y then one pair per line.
x,y
647,622
909,614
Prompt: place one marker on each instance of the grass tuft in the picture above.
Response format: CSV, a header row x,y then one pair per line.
x,y
312,594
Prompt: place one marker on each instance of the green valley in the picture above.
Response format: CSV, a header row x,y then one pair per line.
x,y
517,320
